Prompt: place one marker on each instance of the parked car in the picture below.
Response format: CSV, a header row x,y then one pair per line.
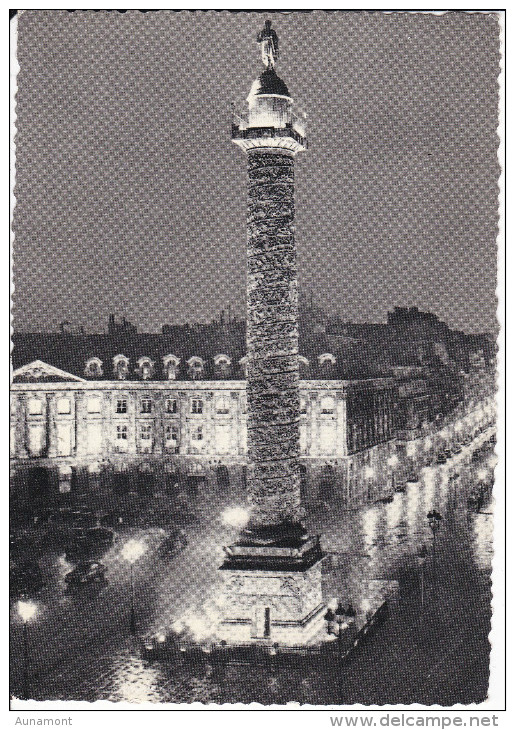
x,y
441,458
91,539
493,438
386,500
87,571
448,453
174,543
412,478
25,576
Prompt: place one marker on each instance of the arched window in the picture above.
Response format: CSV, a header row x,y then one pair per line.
x,y
195,368
303,365
243,365
121,367
145,368
326,360
171,366
222,365
93,368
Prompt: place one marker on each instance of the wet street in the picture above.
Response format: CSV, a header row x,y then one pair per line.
x,y
432,648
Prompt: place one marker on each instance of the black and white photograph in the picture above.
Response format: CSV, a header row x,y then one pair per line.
x,y
255,402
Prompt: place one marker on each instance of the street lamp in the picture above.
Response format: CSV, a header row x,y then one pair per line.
x,y
421,559
133,549
26,610
434,519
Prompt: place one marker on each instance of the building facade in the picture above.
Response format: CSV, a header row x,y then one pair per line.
x,y
76,433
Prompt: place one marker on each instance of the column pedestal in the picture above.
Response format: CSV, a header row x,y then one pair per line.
x,y
273,591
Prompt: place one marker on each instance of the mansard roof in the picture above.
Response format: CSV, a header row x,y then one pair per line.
x,y
69,353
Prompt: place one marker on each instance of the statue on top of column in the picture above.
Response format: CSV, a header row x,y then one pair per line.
x,y
269,45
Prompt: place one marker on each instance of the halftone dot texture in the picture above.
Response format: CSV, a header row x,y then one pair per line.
x,y
131,197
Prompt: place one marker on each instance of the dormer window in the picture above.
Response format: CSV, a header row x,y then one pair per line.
x,y
145,368
171,367
93,368
327,360
242,362
121,367
222,365
195,368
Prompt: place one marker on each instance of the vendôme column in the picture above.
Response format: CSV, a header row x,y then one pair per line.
x,y
273,584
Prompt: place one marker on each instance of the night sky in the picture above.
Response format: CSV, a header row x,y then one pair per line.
x,y
131,197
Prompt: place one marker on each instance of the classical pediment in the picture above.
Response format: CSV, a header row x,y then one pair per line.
x,y
39,371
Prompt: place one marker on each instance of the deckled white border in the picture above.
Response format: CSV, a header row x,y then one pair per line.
x,y
306,719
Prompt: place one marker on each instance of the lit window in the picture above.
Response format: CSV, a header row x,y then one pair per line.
x,y
94,405
63,405
197,406
146,405
146,432
121,405
121,433
171,405
222,404
327,405
198,433
35,407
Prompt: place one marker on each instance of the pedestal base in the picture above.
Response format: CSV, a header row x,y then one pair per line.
x,y
273,593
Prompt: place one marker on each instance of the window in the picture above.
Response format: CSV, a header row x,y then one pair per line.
x,y
94,405
121,433
146,431
93,368
172,434
63,405
171,405
35,406
327,405
303,406
222,404
121,405
197,406
121,367
198,433
146,405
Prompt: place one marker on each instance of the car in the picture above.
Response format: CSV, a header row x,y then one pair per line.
x,y
174,543
448,453
91,539
400,487
441,458
412,478
25,576
456,449
493,438
87,571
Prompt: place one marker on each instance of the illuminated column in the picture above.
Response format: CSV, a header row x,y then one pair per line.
x,y
273,572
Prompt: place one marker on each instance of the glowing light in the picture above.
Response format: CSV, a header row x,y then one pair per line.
x,y
393,460
26,610
133,549
411,449
235,517
482,475
459,426
369,472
